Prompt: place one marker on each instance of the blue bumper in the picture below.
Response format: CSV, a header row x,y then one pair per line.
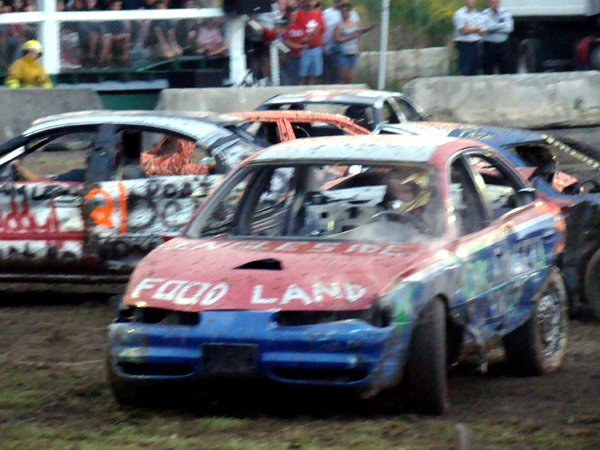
x,y
252,345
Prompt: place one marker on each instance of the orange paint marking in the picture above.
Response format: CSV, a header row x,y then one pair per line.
x,y
122,207
102,215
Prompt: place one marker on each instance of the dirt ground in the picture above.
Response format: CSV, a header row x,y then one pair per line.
x,y
53,394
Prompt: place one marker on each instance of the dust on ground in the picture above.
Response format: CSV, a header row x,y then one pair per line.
x,y
54,394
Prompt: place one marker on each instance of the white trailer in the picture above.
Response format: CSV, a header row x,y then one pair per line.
x,y
553,35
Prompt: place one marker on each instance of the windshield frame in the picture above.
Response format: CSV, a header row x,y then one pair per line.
x,y
253,170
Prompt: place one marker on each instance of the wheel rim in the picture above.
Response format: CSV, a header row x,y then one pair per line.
x,y
551,323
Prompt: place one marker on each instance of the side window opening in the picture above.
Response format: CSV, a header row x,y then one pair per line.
x,y
159,154
409,112
388,115
499,189
469,211
62,157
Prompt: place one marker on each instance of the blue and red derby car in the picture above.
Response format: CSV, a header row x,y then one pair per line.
x,y
352,262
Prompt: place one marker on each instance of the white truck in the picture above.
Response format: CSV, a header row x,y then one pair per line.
x,y
553,35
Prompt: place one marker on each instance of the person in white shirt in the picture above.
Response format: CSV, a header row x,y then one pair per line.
x,y
332,17
498,23
468,29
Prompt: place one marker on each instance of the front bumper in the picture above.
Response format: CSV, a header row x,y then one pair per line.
x,y
351,353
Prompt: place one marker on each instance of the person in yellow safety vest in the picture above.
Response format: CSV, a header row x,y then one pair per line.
x,y
28,72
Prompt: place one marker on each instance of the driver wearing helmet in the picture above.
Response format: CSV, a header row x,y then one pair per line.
x,y
408,191
27,72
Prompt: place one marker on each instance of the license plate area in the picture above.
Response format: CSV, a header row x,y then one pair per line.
x,y
230,359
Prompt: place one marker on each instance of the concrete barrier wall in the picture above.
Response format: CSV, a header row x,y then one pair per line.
x,y
223,100
566,99
403,65
20,107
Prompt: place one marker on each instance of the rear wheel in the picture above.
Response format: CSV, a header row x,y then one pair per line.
x,y
538,346
591,285
426,377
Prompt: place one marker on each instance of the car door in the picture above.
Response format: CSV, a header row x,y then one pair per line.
x,y
481,249
41,222
528,236
126,219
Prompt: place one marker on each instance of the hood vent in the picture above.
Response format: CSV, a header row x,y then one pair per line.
x,y
262,264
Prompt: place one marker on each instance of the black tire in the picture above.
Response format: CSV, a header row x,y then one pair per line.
x,y
139,395
591,285
537,347
426,377
527,57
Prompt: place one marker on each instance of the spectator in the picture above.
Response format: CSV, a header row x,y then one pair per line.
x,y
332,16
209,39
187,30
116,40
311,60
468,29
162,36
27,71
346,35
90,38
293,38
498,25
260,33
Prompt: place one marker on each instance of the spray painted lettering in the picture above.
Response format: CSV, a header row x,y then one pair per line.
x,y
181,292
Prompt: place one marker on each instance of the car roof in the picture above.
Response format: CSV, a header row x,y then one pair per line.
x,y
356,148
205,127
359,96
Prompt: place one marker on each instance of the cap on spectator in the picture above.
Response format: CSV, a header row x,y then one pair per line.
x,y
32,46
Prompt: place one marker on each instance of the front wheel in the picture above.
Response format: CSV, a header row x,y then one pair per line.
x,y
133,394
537,347
591,285
426,377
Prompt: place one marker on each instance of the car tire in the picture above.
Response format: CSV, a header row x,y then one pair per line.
x,y
537,347
135,394
426,376
591,285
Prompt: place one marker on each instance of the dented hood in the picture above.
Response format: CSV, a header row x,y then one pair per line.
x,y
218,274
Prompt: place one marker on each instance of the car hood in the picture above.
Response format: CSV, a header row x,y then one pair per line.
x,y
219,274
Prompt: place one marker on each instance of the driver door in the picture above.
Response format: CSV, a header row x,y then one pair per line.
x,y
41,223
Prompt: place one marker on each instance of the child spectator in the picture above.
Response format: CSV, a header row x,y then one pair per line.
x,y
209,39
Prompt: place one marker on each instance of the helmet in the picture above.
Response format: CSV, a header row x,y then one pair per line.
x,y
32,46
414,189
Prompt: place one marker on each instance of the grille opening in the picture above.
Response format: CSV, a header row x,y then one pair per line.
x,y
158,316
376,316
325,375
172,370
261,264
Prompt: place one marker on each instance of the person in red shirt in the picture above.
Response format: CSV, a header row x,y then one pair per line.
x,y
293,38
311,60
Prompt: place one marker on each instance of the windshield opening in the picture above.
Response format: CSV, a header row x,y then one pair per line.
x,y
362,202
